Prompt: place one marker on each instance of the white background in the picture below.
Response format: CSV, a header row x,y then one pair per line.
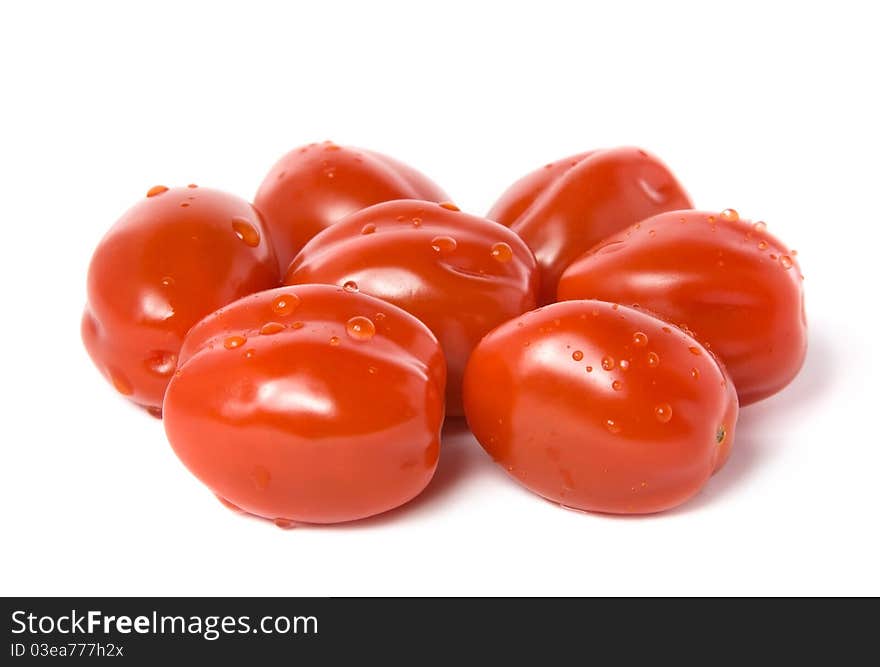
x,y
770,108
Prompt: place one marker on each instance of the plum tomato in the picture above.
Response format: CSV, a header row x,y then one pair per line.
x,y
565,208
313,186
171,259
310,404
600,407
735,286
459,274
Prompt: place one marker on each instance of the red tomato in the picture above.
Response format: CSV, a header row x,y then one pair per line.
x,y
738,288
309,404
170,260
567,207
459,274
312,187
600,407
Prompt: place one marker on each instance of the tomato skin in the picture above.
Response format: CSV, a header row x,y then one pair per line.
x,y
638,439
433,261
523,193
171,259
733,284
313,186
567,207
286,411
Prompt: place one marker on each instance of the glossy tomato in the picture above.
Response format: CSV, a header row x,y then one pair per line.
x,y
567,207
738,288
600,407
309,404
459,274
170,260
312,187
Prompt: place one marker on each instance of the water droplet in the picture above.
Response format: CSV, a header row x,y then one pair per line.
x,y
369,228
640,339
401,218
730,215
360,328
192,186
250,353
416,222
786,262
233,342
154,411
261,477
615,306
694,350
121,383
652,232
653,359
297,325
695,374
773,257
350,286
271,328
711,219
334,340
379,317
184,204
794,253
617,385
577,355
156,190
167,281
285,304
762,245
372,370
760,226
332,147
285,524
720,434
612,426
501,252
623,364
449,206
245,231
667,330
443,244
608,363
589,369
162,363
663,412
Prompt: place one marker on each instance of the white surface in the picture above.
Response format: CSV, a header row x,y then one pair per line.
x,y
771,111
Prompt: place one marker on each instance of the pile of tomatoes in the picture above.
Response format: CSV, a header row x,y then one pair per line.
x,y
596,332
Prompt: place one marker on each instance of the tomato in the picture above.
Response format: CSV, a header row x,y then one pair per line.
x,y
567,207
312,187
459,274
600,407
309,404
170,260
738,288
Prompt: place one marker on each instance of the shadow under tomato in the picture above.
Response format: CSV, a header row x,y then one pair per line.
x,y
755,443
460,457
